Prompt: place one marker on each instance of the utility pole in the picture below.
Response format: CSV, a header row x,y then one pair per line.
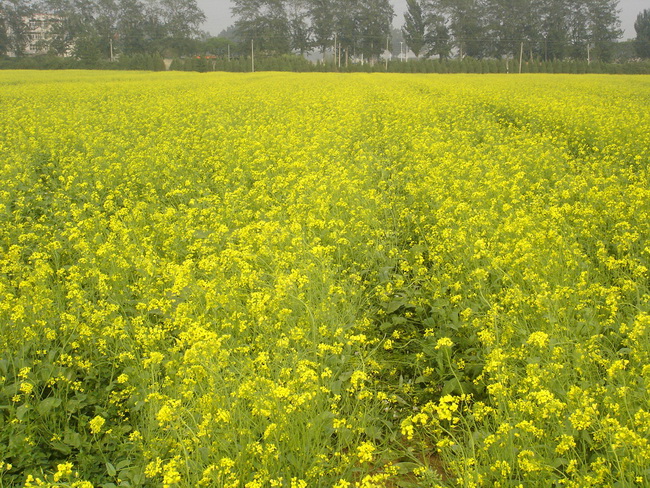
x,y
335,49
252,57
588,54
521,56
228,51
110,42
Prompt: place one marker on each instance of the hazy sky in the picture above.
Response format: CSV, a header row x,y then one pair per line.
x,y
219,17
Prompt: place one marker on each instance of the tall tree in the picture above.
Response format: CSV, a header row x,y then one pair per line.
x,y
181,18
298,15
438,40
375,19
179,27
153,27
642,28
72,24
509,23
4,33
13,29
577,29
466,21
414,29
105,22
322,23
603,28
438,37
347,19
593,27
553,29
131,35
129,26
264,22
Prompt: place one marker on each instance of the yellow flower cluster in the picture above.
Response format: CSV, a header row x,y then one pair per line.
x,y
324,280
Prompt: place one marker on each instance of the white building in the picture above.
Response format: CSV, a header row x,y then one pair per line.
x,y
40,29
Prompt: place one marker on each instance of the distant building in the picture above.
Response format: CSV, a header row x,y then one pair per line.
x,y
40,30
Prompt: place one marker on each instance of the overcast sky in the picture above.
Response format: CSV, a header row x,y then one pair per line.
x,y
219,17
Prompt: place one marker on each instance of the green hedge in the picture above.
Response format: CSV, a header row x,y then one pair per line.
x,y
137,62
467,65
298,63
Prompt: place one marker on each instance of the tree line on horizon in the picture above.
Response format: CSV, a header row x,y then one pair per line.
x,y
98,29
544,30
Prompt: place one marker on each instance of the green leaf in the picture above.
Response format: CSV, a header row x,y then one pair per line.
x,y
47,405
395,305
457,387
110,469
385,273
125,463
406,483
386,326
406,466
429,348
72,438
45,371
559,462
61,447
22,411
373,432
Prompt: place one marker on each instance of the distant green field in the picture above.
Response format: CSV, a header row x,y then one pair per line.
x,y
324,280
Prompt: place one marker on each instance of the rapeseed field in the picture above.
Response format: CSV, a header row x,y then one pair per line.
x,y
324,280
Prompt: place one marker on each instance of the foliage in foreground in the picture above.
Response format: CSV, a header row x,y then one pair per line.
x,y
323,280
